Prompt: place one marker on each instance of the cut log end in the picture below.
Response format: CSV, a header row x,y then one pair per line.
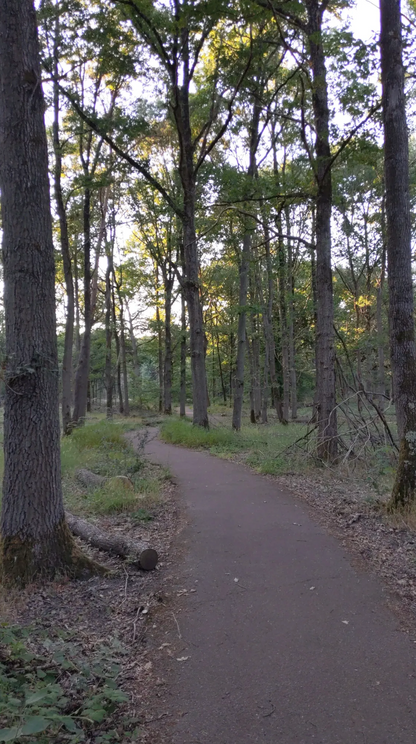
x,y
147,560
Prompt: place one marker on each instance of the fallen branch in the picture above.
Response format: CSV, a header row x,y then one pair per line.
x,y
143,557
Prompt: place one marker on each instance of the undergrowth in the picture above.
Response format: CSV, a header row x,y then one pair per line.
x,y
103,448
268,450
277,450
51,691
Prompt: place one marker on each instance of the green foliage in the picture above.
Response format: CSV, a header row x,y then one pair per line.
x,y
102,447
265,448
52,691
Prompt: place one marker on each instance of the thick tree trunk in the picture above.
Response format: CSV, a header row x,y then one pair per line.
x,y
66,255
190,248
35,538
326,413
399,262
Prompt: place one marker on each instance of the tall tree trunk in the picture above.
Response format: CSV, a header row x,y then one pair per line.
x,y
396,169
181,110
118,350
124,356
314,286
196,325
108,339
136,364
238,393
167,367
326,412
255,301
379,317
283,319
104,194
224,392
66,255
77,332
182,394
35,539
159,344
82,373
291,315
268,330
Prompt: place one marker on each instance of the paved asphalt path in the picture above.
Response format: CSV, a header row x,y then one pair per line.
x,y
288,643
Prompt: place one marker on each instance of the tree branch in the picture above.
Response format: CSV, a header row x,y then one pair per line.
x,y
94,126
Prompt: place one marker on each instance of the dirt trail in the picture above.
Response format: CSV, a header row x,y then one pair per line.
x,y
283,641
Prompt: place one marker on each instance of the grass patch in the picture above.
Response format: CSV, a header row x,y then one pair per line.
x,y
103,448
265,448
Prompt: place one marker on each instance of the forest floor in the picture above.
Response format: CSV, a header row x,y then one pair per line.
x,y
142,657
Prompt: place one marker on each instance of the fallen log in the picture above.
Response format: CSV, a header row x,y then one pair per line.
x,y
144,557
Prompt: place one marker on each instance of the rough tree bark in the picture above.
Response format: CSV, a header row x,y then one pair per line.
x,y
36,541
396,172
191,277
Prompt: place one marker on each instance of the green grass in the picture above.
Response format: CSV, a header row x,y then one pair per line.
x,y
102,447
265,448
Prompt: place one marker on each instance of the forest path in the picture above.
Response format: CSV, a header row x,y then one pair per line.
x,y
283,641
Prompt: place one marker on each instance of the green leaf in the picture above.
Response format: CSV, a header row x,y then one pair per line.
x,y
96,714
9,734
36,697
34,725
14,701
69,724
